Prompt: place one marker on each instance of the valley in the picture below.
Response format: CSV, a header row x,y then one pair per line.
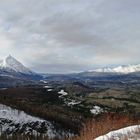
x,y
60,106
69,103
69,69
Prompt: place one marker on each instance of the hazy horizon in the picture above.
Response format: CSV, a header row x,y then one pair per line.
x,y
70,36
82,70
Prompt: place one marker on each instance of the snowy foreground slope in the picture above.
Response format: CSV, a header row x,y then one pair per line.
x,y
13,120
129,133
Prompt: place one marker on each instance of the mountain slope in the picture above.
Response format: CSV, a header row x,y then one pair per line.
x,y
120,69
10,63
12,70
15,121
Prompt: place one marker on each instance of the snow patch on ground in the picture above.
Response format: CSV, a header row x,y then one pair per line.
x,y
47,86
96,110
45,82
13,120
130,131
49,89
73,102
63,93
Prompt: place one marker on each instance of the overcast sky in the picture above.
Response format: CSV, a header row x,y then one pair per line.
x,y
61,36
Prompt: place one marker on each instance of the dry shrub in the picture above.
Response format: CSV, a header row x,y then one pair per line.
x,y
104,124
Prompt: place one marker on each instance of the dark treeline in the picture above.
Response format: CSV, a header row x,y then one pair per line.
x,y
69,120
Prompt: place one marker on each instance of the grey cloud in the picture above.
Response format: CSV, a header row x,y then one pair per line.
x,y
70,35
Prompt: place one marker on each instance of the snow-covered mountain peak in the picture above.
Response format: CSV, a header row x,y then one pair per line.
x,y
11,63
125,69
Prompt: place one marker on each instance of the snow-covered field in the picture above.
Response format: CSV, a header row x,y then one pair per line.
x,y
16,116
128,133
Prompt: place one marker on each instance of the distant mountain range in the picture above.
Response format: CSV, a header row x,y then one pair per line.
x,y
124,70
120,69
10,64
12,72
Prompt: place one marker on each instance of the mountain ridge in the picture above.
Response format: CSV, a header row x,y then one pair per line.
x,y
124,69
10,63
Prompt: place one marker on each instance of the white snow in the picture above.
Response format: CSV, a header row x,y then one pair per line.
x,y
73,102
121,69
13,119
16,116
10,63
47,86
96,110
115,135
63,93
45,82
49,90
103,70
9,118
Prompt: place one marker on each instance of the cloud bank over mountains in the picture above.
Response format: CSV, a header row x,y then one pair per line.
x,y
73,35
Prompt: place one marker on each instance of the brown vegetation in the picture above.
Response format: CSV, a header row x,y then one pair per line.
x,y
30,101
88,129
92,128
104,124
